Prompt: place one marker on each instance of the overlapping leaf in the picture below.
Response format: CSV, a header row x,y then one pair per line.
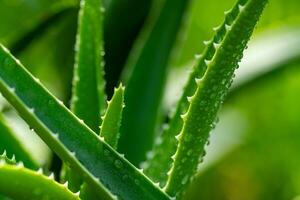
x,y
101,167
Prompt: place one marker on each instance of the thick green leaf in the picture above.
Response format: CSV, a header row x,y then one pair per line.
x,y
31,185
88,98
268,107
148,61
12,146
221,58
101,167
159,160
111,121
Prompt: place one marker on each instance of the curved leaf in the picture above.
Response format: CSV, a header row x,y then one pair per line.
x,y
159,161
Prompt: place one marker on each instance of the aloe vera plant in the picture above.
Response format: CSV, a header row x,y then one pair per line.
x,y
86,136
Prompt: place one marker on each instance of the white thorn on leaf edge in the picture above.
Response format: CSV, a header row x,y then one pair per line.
x,y
51,176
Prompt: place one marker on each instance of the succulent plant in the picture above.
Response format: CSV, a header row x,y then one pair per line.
x,y
103,146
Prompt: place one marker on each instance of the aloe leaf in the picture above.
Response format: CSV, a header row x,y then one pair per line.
x,y
109,130
143,93
88,97
12,146
159,159
101,167
111,121
31,185
250,69
221,59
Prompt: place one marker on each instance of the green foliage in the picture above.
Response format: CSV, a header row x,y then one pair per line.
x,y
89,145
67,135
214,68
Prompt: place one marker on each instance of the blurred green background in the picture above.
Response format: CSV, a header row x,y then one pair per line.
x,y
254,150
